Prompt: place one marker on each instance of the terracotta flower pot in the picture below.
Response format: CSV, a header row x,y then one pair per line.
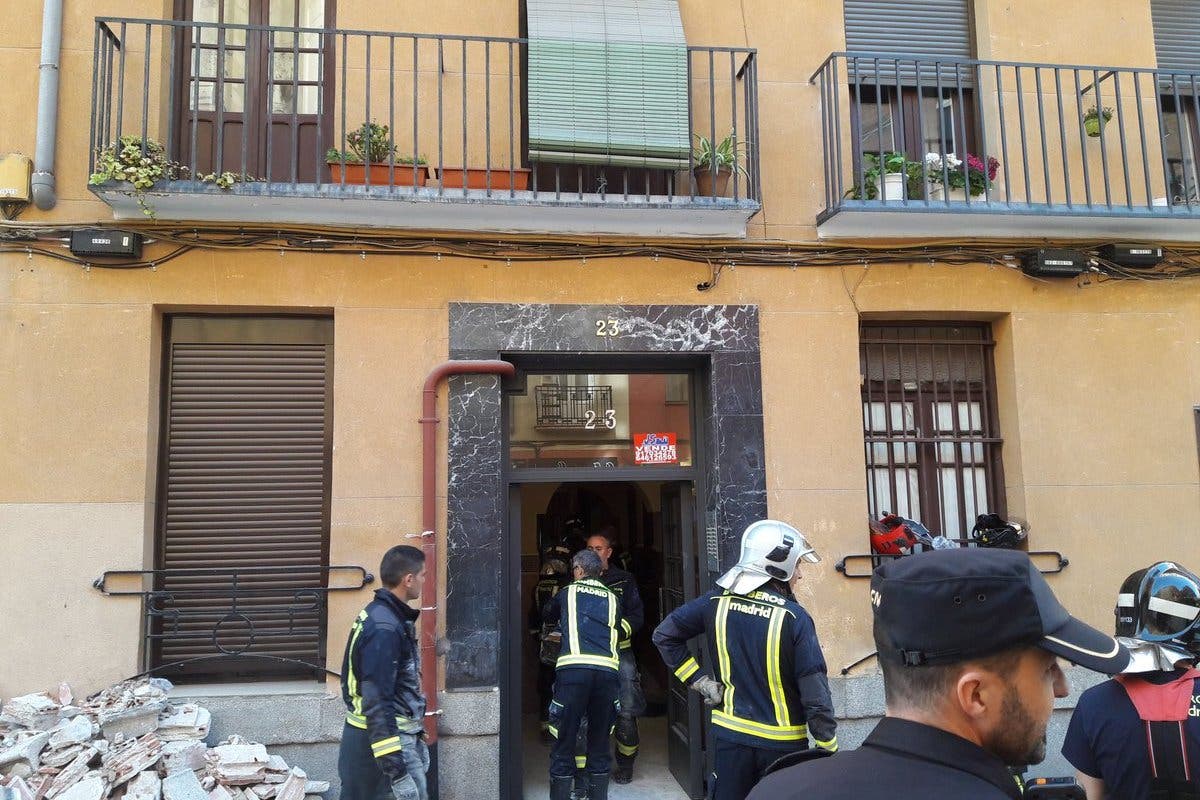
x,y
357,174
705,182
479,178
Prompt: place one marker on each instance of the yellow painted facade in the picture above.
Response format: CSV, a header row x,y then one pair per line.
x,y
1096,380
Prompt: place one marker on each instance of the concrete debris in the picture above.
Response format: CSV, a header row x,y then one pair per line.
x,y
183,786
183,722
126,760
91,787
128,742
22,756
188,754
71,774
38,711
144,786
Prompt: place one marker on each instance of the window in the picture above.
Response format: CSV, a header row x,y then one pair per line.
x,y
243,504
931,437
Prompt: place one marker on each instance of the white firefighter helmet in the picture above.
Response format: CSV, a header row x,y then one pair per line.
x,y
770,550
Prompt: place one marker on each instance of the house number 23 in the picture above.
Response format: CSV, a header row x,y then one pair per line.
x,y
608,327
609,420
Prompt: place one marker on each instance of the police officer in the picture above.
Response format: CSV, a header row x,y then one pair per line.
x,y
585,680
383,738
1137,737
968,641
770,691
633,702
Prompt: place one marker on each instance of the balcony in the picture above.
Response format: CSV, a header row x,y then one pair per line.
x,y
573,407
264,104
920,147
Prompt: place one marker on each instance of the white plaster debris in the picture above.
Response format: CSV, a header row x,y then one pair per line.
x,y
129,742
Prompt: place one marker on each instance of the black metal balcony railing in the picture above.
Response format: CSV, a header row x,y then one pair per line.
x,y
268,102
927,134
572,406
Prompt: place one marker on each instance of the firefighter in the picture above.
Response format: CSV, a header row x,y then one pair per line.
x,y
383,739
1137,736
769,693
552,577
633,702
585,679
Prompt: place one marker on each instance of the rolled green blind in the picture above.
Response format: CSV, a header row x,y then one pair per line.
x,y
608,83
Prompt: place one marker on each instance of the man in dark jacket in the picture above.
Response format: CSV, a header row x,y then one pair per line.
x,y
383,751
633,701
585,680
769,689
968,641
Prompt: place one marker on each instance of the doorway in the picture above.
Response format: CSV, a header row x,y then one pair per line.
x,y
651,523
252,101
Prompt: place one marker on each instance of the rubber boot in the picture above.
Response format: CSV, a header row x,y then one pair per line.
x,y
623,769
583,785
560,788
599,786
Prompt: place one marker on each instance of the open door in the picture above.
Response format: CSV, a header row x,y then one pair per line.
x,y
685,713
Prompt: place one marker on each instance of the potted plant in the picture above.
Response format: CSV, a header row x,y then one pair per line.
x,y
887,178
1093,120
142,163
948,181
483,178
715,163
370,149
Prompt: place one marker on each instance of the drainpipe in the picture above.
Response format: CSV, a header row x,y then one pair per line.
x,y
429,421
42,184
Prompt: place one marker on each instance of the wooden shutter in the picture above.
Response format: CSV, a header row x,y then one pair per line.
x,y
608,83
245,486
1177,35
905,28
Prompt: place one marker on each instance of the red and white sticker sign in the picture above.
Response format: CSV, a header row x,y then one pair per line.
x,y
655,448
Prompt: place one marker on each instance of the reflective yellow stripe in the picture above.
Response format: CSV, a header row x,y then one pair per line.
x,y
580,762
385,742
612,625
572,625
627,749
357,720
774,679
831,745
779,733
687,669
625,645
723,653
553,731
608,662
351,680
387,751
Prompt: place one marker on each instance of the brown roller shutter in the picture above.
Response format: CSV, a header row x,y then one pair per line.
x,y
244,495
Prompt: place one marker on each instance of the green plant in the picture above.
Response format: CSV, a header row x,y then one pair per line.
x,y
892,163
143,163
1093,119
371,143
728,154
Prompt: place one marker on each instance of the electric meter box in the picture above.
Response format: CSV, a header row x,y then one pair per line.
x,y
15,173
102,243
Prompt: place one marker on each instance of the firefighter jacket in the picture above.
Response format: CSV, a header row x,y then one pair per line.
x,y
381,678
765,651
547,586
589,617
625,587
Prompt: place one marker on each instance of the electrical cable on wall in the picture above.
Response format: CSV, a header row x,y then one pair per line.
x,y
1181,261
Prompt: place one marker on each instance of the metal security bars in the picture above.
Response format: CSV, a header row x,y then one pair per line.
x,y
930,424
560,406
929,134
445,114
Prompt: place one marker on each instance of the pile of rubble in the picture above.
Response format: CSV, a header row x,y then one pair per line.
x,y
129,742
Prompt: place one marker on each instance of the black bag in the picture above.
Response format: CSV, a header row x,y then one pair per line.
x,y
992,531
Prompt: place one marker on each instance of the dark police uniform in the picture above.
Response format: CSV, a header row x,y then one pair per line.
x,y
900,759
1107,739
633,701
767,655
585,680
382,739
547,586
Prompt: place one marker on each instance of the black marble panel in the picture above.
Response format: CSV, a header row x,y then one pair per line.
x,y
732,421
475,531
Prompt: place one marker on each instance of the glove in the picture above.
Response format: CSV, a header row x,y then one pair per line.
x,y
405,788
712,690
